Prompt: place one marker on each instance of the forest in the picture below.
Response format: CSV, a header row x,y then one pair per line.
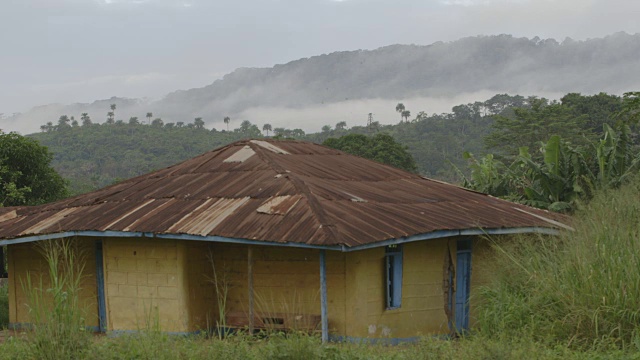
x,y
91,154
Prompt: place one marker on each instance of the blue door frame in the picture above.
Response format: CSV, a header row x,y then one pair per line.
x,y
463,285
102,307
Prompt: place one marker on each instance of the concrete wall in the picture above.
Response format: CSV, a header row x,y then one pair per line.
x,y
171,284
26,259
423,302
145,284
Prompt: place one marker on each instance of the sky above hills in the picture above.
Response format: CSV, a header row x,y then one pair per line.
x,y
81,50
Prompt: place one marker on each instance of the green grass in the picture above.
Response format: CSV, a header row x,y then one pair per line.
x,y
4,306
581,290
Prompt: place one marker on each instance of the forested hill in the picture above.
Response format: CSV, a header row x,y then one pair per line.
x,y
93,155
497,64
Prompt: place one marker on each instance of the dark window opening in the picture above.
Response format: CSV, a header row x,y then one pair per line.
x,y
393,281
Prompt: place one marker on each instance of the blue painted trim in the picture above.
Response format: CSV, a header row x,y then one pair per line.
x,y
323,296
102,305
418,237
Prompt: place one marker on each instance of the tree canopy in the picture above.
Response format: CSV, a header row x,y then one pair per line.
x,y
26,176
382,148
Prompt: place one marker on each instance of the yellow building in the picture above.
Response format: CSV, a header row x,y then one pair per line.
x,y
266,234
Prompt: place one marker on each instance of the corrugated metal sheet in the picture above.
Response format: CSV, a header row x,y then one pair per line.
x,y
320,196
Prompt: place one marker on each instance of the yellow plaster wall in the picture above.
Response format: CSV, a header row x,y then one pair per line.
x,y
423,302
201,301
286,280
27,258
145,284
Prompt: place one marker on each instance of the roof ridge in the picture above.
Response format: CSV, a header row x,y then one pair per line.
x,y
327,226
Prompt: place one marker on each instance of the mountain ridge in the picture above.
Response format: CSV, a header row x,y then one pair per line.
x,y
495,63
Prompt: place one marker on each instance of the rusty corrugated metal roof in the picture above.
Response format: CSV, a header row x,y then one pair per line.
x,y
277,191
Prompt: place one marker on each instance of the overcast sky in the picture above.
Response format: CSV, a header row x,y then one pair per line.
x,y
82,50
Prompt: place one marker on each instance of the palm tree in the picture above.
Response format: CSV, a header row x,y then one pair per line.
x,y
267,128
110,116
133,120
198,123
63,121
400,108
226,121
149,116
113,108
405,114
86,120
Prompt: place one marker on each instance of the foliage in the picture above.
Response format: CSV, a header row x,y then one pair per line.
x,y
4,306
382,148
580,289
562,174
94,155
56,313
26,176
530,126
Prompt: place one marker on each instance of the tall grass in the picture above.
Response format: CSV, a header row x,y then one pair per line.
x,y
56,315
4,306
581,289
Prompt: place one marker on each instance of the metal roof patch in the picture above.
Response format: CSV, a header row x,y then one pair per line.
x,y
270,147
241,155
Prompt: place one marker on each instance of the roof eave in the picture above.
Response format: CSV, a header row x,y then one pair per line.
x,y
221,239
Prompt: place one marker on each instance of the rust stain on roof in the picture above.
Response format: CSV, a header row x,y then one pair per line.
x,y
320,196
279,205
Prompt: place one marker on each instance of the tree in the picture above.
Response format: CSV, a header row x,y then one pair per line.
x,y
157,122
326,128
180,124
198,123
110,116
400,108
26,177
113,109
406,114
341,125
267,128
226,121
382,148
149,116
86,120
134,120
63,122
531,126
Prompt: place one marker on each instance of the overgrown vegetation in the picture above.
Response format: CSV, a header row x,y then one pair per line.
x,y
581,290
56,314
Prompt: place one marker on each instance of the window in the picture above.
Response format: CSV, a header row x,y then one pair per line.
x,y
393,270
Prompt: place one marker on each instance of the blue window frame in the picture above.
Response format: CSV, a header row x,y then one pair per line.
x,y
393,271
